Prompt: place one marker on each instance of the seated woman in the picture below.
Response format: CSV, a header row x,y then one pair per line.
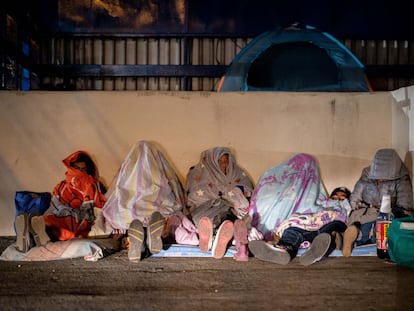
x,y
387,174
71,210
145,192
316,228
217,191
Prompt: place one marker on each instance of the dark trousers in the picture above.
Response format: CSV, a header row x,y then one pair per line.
x,y
293,237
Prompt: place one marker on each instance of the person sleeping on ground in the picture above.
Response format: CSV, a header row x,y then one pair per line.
x,y
290,206
217,191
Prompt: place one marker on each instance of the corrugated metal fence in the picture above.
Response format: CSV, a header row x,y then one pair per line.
x,y
384,52
130,50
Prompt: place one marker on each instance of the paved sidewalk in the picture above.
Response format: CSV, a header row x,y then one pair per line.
x,y
156,283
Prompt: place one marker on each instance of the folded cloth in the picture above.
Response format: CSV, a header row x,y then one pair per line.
x,y
91,250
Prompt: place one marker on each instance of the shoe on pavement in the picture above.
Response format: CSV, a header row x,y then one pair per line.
x,y
268,252
224,235
241,241
317,250
154,232
338,238
37,228
136,240
205,234
350,235
22,233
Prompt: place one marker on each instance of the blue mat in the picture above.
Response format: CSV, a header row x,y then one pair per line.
x,y
365,250
177,250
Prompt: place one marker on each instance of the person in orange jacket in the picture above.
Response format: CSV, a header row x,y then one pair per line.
x,y
71,212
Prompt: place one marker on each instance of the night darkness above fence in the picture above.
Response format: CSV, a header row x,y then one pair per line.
x,y
61,40
353,19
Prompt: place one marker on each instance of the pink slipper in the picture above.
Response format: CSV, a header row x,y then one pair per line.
x,y
205,233
223,236
240,231
240,239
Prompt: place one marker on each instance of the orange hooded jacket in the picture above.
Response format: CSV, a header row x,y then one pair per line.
x,y
72,208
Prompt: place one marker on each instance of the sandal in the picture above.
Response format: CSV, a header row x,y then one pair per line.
x,y
37,228
154,230
22,233
136,239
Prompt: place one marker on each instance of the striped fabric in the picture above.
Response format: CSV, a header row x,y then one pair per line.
x,y
145,183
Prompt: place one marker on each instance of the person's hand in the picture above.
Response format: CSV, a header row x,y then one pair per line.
x,y
362,204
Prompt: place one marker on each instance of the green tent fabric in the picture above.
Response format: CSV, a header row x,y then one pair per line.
x,y
295,59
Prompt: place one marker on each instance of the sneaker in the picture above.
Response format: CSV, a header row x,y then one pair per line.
x,y
317,250
350,235
269,252
37,228
205,234
154,232
22,233
224,235
136,240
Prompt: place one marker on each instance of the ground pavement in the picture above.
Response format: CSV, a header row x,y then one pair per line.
x,y
168,283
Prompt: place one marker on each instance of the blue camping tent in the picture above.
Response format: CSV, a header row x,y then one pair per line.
x,y
295,59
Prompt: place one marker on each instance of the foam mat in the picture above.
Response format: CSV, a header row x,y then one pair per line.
x,y
176,250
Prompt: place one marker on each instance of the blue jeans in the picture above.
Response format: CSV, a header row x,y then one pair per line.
x,y
366,234
293,237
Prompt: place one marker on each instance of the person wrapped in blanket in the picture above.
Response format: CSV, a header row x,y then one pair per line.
x,y
71,210
217,200
143,197
71,213
290,209
387,175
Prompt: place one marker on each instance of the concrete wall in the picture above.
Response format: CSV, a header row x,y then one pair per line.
x,y
342,130
403,123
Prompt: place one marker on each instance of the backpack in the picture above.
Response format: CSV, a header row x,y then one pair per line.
x,y
401,241
29,202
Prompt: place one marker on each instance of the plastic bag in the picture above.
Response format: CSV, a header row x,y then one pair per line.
x,y
401,241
